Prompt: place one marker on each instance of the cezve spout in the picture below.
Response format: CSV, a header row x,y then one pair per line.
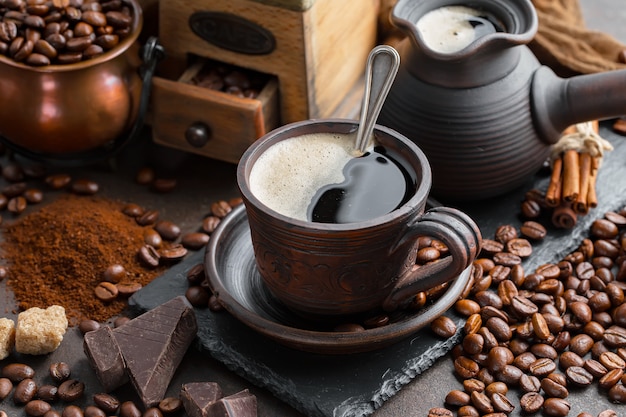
x,y
560,102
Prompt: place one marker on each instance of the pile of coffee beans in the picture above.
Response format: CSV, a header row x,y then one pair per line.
x,y
44,32
531,337
43,395
230,79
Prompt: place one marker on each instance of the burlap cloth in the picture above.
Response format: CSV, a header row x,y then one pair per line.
x,y
565,44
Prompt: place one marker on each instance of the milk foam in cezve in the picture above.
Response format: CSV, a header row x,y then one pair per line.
x,y
450,29
288,174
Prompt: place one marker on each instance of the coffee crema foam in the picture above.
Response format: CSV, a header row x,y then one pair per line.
x,y
450,29
287,175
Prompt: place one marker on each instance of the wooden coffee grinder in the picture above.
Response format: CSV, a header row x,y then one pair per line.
x,y
313,50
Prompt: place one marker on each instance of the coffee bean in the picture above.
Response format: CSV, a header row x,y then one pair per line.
x,y
604,229
126,289
499,328
440,412
556,407
505,233
48,393
170,405
542,367
197,296
106,402
73,411
210,223
611,360
457,398
491,247
59,371
24,391
88,325
617,393
466,367
164,185
529,383
173,253
615,336
71,390
152,238
611,378
167,230
120,321
129,409
595,368
149,217
531,402
149,256
581,344
481,402
220,208
106,291
58,181
215,304
145,176
36,408
507,259
578,376
17,372
114,273
498,357
133,210
195,240
33,196
85,187
6,386
569,359
152,412
533,230
93,411
520,247
501,403
17,205
443,326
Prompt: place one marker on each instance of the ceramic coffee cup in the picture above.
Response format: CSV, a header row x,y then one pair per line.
x,y
336,269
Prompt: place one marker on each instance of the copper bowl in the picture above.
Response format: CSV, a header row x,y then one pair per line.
x,y
58,109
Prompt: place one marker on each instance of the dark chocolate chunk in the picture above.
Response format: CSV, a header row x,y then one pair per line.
x,y
242,404
105,357
197,396
153,345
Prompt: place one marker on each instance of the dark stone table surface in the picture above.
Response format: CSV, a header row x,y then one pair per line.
x,y
202,181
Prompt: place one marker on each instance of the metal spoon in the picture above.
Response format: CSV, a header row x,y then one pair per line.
x,y
380,71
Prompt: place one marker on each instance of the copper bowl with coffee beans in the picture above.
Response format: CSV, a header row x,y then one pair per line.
x,y
69,79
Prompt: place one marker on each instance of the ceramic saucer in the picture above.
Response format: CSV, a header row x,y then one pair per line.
x,y
235,280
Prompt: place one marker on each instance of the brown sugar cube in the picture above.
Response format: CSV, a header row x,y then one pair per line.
x,y
7,337
40,331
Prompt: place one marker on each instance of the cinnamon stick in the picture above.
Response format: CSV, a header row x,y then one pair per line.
x,y
564,217
571,175
581,206
592,197
553,193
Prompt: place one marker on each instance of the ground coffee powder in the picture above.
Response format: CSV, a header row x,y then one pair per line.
x,y
58,254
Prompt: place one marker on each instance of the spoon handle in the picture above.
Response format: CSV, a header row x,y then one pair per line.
x,y
380,71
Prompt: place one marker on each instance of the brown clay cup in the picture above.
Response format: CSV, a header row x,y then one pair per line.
x,y
322,270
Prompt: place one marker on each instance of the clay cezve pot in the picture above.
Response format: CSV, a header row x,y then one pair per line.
x,y
486,115
59,109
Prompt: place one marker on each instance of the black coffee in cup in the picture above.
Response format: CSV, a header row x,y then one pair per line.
x,y
317,177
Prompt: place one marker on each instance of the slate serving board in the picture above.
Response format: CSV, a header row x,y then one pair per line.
x,y
356,385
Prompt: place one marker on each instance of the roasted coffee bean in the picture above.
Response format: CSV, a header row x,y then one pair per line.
x,y
58,181
107,41
510,375
473,324
93,411
126,289
36,408
152,412
133,210
491,247
581,344
578,376
145,176
603,229
568,359
605,413
520,247
505,233
170,405
48,393
59,371
168,230
129,409
466,367
507,259
114,273
215,304
498,357
17,372
499,328
106,291
17,205
164,185
457,398
85,187
195,240
595,368
24,391
466,307
71,390
72,411
106,402
542,367
152,238
440,412
33,196
120,321
501,403
617,393
220,208
529,383
611,360
615,336
533,230
6,386
467,411
443,326
149,217
197,296
473,343
149,256
173,253
544,350
88,325
481,402
611,378
556,407
531,402
472,384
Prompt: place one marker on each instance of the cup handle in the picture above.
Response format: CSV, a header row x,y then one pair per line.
x,y
458,232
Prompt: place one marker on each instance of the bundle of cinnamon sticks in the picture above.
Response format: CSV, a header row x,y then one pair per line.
x,y
572,187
